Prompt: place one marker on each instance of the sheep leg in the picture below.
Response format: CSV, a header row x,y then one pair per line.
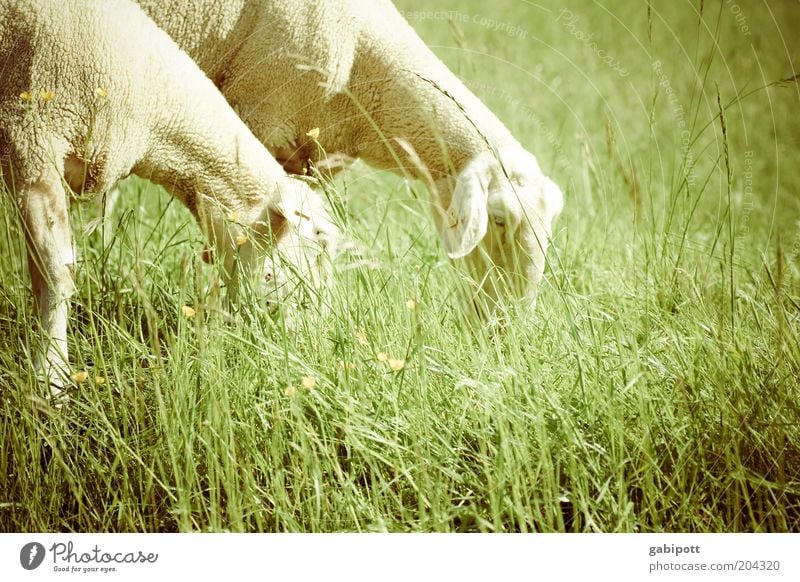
x,y
44,208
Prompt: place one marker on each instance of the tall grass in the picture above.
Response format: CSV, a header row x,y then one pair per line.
x,y
632,399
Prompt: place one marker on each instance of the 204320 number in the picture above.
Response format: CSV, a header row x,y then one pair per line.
x,y
758,565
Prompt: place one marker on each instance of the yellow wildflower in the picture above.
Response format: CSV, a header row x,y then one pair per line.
x,y
313,133
101,92
80,376
26,96
411,305
289,391
99,380
396,364
188,311
46,95
308,382
383,356
241,238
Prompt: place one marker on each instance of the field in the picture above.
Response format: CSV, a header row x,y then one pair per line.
x,y
656,387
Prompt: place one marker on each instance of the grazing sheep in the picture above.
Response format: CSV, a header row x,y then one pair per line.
x,y
91,91
357,71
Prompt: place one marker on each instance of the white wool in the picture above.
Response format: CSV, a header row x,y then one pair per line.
x,y
93,90
357,71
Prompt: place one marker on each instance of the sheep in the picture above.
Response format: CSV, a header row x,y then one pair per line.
x,y
91,91
357,70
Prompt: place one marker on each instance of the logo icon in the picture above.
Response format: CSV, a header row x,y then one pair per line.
x,y
31,555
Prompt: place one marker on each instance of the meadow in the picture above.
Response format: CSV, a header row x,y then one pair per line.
x,y
656,386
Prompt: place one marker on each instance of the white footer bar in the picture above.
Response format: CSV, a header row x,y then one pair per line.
x,y
370,557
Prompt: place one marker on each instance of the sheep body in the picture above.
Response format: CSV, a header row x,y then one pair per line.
x,y
358,71
289,66
91,91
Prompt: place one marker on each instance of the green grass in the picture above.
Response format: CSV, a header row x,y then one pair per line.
x,y
655,387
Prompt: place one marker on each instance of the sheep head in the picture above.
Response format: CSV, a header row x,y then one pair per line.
x,y
304,240
283,245
499,220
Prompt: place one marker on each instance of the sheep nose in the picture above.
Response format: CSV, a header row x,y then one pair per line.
x,y
268,276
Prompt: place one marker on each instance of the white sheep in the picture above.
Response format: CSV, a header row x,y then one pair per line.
x,y
357,71
91,91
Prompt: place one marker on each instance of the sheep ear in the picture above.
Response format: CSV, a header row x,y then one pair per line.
x,y
289,206
284,212
464,225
